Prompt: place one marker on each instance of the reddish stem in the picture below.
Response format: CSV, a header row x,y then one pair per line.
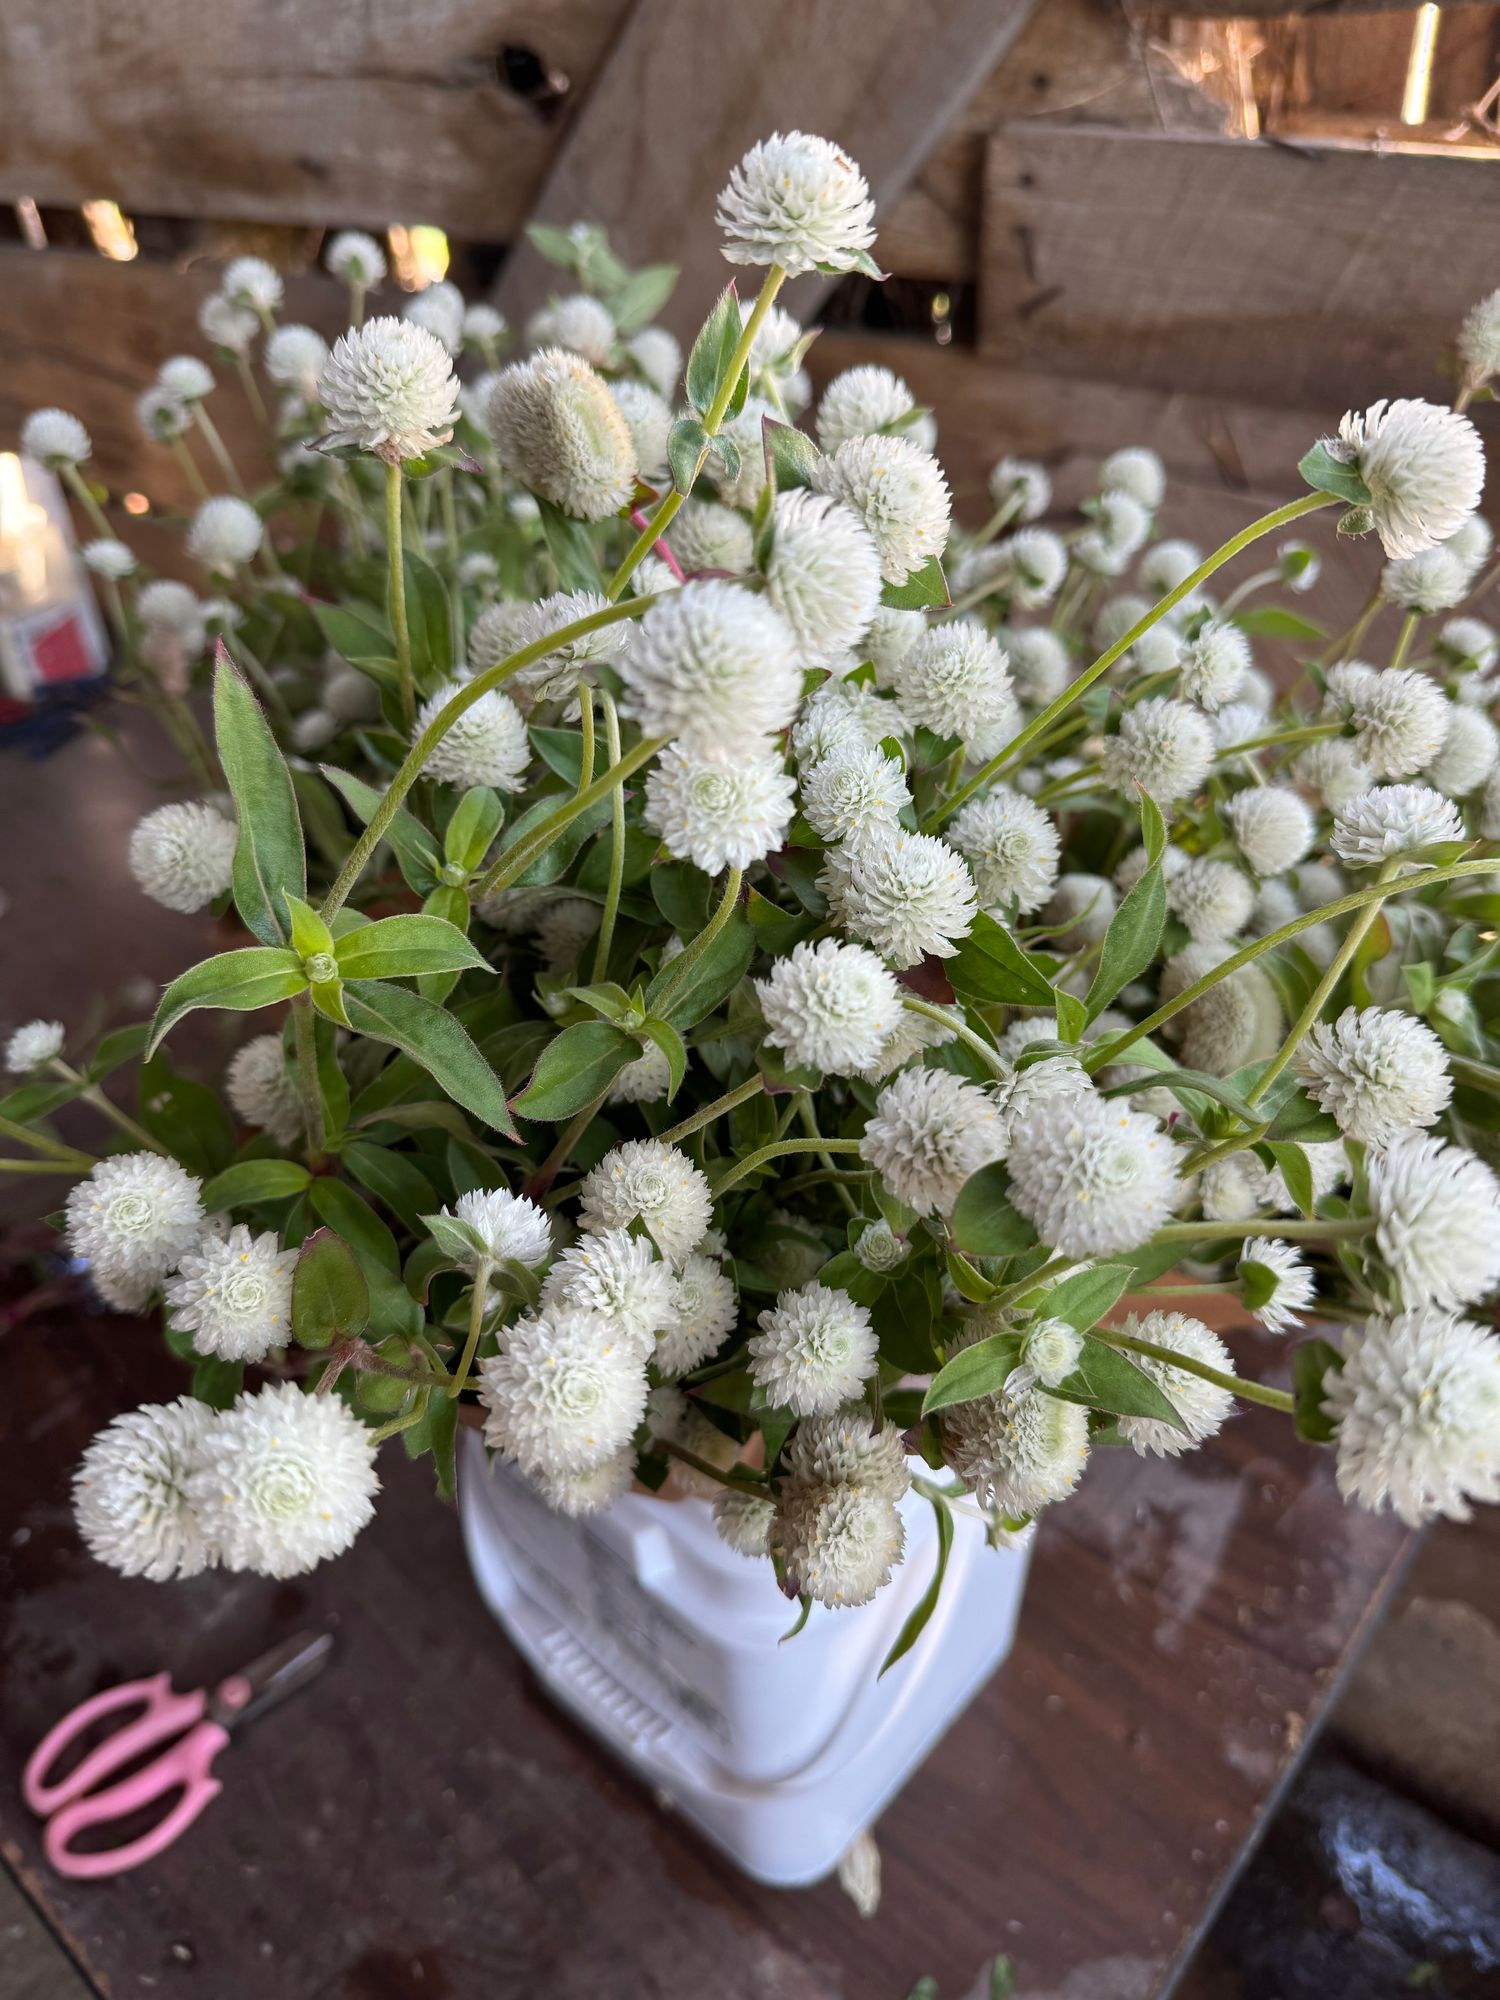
x,y
638,520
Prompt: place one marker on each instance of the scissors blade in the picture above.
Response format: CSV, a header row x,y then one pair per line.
x,y
283,1671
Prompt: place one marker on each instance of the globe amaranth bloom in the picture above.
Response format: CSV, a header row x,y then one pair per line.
x,y
1437,1220
647,1179
130,1492
233,1294
1378,1071
905,894
712,665
1091,1175
829,1006
558,428
389,388
1423,465
928,1133
487,745
719,811
797,201
900,494
132,1219
814,1351
1202,1406
823,573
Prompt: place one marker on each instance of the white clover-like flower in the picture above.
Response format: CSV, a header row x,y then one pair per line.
x,y
864,400
1399,717
648,418
1163,746
55,438
1091,1175
649,1181
1137,471
1012,846
1272,828
1472,540
843,1449
295,357
578,1494
183,855
719,811
284,1481
487,745
619,1278
815,1349
900,494
186,378
1417,1410
1050,1352
1468,641
837,1544
252,284
829,1006
1237,1020
261,1089
879,1248
106,557
557,674
564,927
1121,525
1212,666
658,356
130,1492
1027,1090
1392,820
227,325
1333,771
1016,1452
1378,1071
1030,567
704,1312
1470,752
498,631
1437,1220
907,894
911,1034
1435,580
1212,898
708,536
840,716
34,1046
928,1133
1167,564
797,201
356,258
389,388
225,534
565,1394
1237,725
1423,465
744,1519
955,681
647,1080
512,1227
1479,341
713,665
1023,483
483,324
823,574
161,415
233,1294
439,309
1155,652
852,790
1202,1406
1080,910
580,323
1040,665
1295,1286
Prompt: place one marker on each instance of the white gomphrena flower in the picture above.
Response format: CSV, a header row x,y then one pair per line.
x,y
1167,564
439,308
1435,580
864,400
1437,1220
261,1089
1471,750
1080,910
900,494
577,1494
851,790
565,925
1012,846
719,811
1040,665
1027,1090
1163,746
823,573
55,438
1472,540
1120,527
1392,820
1202,1406
1237,724
1155,652
879,1248
829,1006
744,1519
557,674
34,1046
130,1495
1378,1071
837,1544
1399,717
1019,1452
356,258
843,1449
389,388
1294,1288
227,325
649,1181
233,1294
295,357
1468,641
106,557
132,1219
284,1481
704,1312
1023,483
1423,465
185,377
840,716
1050,1352
161,415
1136,471
815,1350
906,894
928,1133
1212,898
487,745
565,1393
1133,867
225,534
708,536
647,1080
1479,342
1029,567
1091,1175
1333,771
797,201
1417,1410
483,324
955,681
252,284
513,1228
658,356
1235,1021
714,665
579,323
183,855
499,630
618,1277
1212,667
1272,828
649,420
912,1034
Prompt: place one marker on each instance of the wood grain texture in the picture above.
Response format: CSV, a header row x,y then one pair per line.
x,y
1258,271
677,104
367,111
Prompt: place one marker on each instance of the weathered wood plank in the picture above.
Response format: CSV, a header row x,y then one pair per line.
x,y
1261,271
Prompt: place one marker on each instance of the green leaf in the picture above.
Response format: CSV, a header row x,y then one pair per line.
x,y
269,861
973,1372
575,1068
681,893
925,589
903,1318
431,1036
330,1294
472,829
1105,1379
561,750
120,1045
1312,1362
428,619
912,1630
238,981
415,850
990,965
1072,1017
1274,621
709,980
669,1042
1300,1118
1258,1283
1296,1171
713,350
217,1382
642,296
309,932
359,633
435,1432
687,442
391,1177
571,549
252,1181
187,1117
1327,474
333,1085
983,1222
1084,1298
1130,943
359,1226
792,459
402,947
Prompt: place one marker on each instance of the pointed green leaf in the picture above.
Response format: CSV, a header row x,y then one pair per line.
x,y
1083,1299
973,1372
402,947
391,1177
925,589
428,619
709,980
792,459
642,296
1130,943
359,1226
916,1624
571,548
713,350
686,444
983,1222
575,1068
1105,1379
1313,1361
669,1042
252,1181
269,861
990,965
1327,474
431,1036
309,932
330,1293
239,981
472,829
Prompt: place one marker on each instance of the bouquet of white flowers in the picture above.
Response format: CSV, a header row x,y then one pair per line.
x,y
754,1002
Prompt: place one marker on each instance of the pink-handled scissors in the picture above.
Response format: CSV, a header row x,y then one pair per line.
x,y
194,1728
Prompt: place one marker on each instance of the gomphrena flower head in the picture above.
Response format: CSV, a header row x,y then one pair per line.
x,y
55,438
1040,664
130,1492
227,325
1202,1406
1163,746
648,417
657,354
955,681
106,557
619,1278
161,415
33,1046
1399,717
440,309
356,258
511,1226
1393,820
1378,1071
581,323
186,377
823,573
649,1181
1120,527
183,855
744,1519
1012,846
295,357
906,894
578,1494
1029,567
487,745
1435,580
843,715
558,673
389,388
879,1248
867,399
854,788
713,665
1470,752
1423,465
558,428
1016,1452
837,1544
483,324
1468,642
1212,898
844,1448
252,284
132,1219
928,1133
1080,910
284,1481
1237,1020
1417,1410
719,811
708,536
1091,1175
1135,470
704,1311
1479,341
1437,1220
1051,1348
261,1089
1272,827
829,1006
1293,1286
225,534
1332,771
1212,665
1022,484
814,1351
233,1294
797,201
900,494
565,1393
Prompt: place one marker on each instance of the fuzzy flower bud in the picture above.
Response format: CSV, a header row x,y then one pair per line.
x,y
225,534
183,855
1424,466
33,1046
1272,828
55,439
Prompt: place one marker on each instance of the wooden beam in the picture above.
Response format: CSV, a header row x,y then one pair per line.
x,y
1270,273
686,90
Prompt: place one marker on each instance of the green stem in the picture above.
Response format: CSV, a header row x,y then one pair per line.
x,y
1312,1230
450,536
215,444
754,1161
616,880
78,486
1249,1392
67,1157
106,1106
395,590
948,1017
586,731
1409,625
189,466
460,1378
516,860
251,388
706,1114
398,1424
693,951
807,1117
748,1479
306,1047
1237,596
46,1166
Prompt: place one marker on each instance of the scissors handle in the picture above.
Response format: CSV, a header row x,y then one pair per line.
x,y
165,1714
186,1766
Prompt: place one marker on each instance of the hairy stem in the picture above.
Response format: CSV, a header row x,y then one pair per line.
x,y
306,1048
616,881
754,1161
1237,1385
395,590
986,1052
460,1377
516,860
707,1113
688,957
